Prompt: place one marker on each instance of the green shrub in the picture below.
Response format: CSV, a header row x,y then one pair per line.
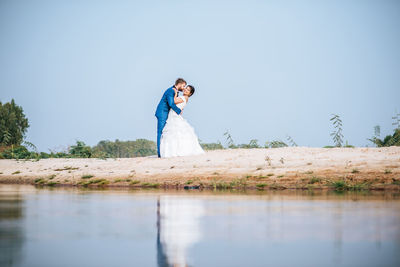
x,y
17,152
80,150
340,185
314,180
262,185
389,140
275,144
124,149
211,146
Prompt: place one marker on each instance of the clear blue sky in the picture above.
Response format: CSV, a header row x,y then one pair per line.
x,y
95,70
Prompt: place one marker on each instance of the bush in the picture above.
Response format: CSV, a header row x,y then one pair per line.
x,y
389,140
211,146
17,152
275,144
124,149
252,144
80,150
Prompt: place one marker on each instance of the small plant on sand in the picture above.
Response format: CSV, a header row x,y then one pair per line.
x,y
387,171
238,183
314,180
270,174
277,186
340,185
280,176
51,183
16,172
40,181
355,171
51,177
337,133
389,140
291,141
189,181
153,185
359,186
135,182
94,181
101,181
268,160
261,186
222,185
67,168
275,144
214,184
396,181
87,176
229,140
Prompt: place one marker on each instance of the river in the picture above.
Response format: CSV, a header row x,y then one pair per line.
x,y
84,227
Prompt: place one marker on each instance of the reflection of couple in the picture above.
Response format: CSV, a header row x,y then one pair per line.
x,y
178,229
175,136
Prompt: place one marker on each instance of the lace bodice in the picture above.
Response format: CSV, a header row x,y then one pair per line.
x,y
183,104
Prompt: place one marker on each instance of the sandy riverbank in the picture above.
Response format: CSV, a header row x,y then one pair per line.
x,y
289,167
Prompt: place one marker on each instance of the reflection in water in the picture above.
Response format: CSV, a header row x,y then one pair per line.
x,y
178,228
11,238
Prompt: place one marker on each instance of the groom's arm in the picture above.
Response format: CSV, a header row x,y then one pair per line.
x,y
171,103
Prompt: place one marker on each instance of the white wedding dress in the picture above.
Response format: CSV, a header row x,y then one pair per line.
x,y
178,137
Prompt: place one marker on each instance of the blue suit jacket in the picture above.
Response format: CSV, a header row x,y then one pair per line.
x,y
166,103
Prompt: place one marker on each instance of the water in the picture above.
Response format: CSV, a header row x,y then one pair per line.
x,y
75,227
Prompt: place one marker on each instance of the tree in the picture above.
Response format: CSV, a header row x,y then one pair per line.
x,y
13,124
80,150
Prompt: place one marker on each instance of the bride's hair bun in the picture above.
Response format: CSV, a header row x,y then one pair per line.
x,y
191,87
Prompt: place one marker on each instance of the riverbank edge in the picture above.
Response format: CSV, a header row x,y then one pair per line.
x,y
102,183
278,168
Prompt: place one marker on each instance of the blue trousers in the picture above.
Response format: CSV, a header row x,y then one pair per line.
x,y
160,126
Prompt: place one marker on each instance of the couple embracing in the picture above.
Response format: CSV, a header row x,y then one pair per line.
x,y
175,136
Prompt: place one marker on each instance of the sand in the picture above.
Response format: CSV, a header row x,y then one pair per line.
x,y
276,168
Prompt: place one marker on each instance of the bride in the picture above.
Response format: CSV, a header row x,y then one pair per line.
x,y
178,137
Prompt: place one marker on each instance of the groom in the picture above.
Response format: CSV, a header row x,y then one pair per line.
x,y
166,103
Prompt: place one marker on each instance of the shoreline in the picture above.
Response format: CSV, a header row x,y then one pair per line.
x,y
272,168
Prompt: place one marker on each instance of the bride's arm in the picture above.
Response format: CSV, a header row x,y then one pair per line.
x,y
177,99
